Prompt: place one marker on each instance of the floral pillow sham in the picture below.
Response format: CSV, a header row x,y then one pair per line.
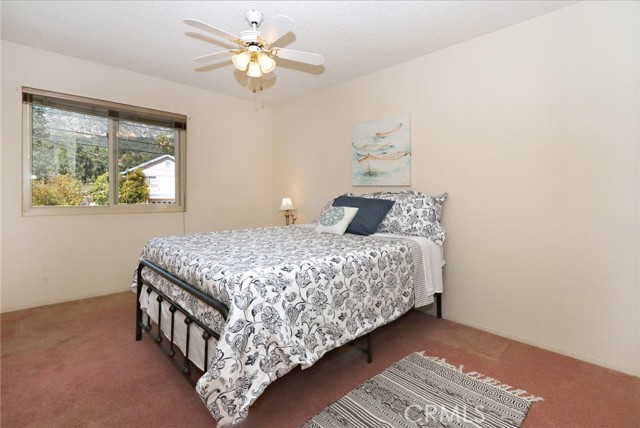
x,y
413,214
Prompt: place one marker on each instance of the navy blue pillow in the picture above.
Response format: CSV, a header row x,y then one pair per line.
x,y
370,213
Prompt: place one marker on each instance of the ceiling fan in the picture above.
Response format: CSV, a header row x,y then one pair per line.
x,y
255,53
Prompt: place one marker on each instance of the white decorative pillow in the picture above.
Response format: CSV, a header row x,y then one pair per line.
x,y
329,205
336,220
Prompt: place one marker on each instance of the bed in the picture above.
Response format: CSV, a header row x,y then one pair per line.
x,y
247,306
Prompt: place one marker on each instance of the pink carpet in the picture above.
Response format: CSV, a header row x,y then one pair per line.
x,y
77,364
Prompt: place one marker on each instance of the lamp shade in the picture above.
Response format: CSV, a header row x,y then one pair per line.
x,y
287,205
241,60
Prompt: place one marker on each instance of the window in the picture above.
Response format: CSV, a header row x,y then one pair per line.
x,y
83,155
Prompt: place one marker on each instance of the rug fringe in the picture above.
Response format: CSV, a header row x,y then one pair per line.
x,y
521,393
442,362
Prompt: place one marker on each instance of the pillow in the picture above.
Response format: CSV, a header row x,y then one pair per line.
x,y
328,206
336,220
413,214
370,213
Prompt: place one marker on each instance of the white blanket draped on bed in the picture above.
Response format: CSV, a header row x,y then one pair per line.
x,y
293,295
429,272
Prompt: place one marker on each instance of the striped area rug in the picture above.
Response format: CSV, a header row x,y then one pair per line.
x,y
423,391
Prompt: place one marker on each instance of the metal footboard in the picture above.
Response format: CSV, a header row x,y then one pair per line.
x,y
186,366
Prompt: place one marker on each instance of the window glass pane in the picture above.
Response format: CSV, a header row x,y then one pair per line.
x,y
69,158
146,164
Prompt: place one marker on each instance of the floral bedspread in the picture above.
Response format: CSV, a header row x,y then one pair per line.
x,y
293,295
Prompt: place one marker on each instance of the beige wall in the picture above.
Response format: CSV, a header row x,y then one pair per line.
x,y
533,131
59,258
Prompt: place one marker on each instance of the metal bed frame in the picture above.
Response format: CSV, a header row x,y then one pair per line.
x,y
187,367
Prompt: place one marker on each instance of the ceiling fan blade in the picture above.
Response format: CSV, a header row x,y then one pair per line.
x,y
206,38
299,56
211,29
211,57
277,28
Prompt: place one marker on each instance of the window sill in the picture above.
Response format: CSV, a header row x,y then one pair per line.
x,y
116,209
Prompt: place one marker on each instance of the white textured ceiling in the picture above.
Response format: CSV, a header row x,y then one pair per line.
x,y
355,37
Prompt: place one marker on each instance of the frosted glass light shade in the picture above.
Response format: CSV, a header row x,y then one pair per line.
x,y
267,64
241,60
254,69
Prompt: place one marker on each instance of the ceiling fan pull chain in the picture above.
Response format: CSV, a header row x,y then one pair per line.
x,y
254,85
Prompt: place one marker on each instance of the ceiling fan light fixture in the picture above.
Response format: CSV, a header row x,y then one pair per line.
x,y
267,64
256,55
241,60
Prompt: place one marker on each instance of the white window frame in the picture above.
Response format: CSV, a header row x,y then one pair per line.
x,y
124,111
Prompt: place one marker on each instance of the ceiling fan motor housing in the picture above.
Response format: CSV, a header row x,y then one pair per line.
x,y
249,36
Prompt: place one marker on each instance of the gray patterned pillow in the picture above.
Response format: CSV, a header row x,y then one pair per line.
x,y
413,214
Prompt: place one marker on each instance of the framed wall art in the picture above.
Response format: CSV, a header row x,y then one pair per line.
x,y
381,152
